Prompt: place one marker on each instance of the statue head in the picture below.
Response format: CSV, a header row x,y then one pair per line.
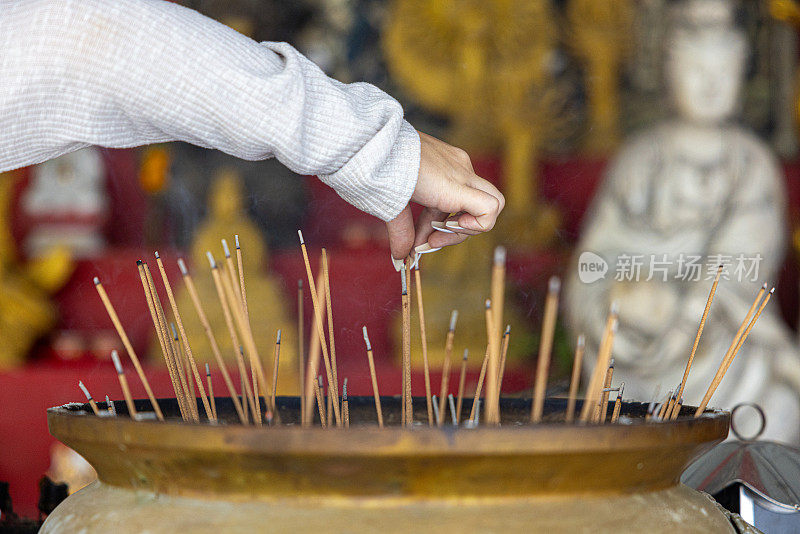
x,y
706,55
226,199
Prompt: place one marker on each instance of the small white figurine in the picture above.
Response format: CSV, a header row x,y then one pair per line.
x,y
66,204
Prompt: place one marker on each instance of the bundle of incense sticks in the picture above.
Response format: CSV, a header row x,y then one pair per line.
x,y
255,400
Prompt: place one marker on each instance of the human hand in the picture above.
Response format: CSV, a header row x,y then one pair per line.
x,y
447,184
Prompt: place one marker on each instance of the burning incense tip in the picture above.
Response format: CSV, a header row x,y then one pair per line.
x,y
764,286
581,340
554,286
488,303
451,401
611,363
614,309
96,281
621,389
453,319
300,235
499,255
403,282
366,337
300,284
85,391
117,363
225,249
344,390
508,330
208,370
182,267
138,262
278,341
771,291
157,256
466,354
319,381
174,331
211,260
236,241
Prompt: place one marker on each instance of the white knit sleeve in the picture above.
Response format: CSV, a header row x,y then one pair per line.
x,y
131,72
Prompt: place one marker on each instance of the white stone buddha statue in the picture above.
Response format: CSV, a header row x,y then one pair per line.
x,y
679,199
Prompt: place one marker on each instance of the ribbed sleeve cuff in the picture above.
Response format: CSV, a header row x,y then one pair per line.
x,y
380,181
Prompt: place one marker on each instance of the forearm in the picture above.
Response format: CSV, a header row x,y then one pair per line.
x,y
132,72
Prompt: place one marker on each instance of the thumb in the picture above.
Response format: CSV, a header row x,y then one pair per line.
x,y
480,208
401,234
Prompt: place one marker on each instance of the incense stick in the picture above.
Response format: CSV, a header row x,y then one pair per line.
x,y
112,314
301,355
319,321
700,328
320,404
186,348
89,398
452,404
603,357
503,354
232,294
184,363
171,369
575,379
479,387
374,378
123,382
618,403
436,415
240,263
734,349
423,339
345,405
448,349
231,271
315,348
191,404
332,344
111,408
461,381
545,348
219,284
211,391
494,321
406,311
192,290
275,369
606,393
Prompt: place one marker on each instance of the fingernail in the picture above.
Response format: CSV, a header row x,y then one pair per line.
x,y
398,264
439,226
425,249
454,225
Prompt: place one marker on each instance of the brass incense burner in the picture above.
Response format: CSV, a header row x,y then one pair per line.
x,y
551,477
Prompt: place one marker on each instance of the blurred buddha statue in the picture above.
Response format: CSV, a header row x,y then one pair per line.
x,y
227,216
678,200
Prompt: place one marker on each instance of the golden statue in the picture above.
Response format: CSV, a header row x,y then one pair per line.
x,y
265,295
599,31
485,64
26,312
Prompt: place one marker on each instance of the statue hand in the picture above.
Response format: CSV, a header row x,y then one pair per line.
x,y
447,184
